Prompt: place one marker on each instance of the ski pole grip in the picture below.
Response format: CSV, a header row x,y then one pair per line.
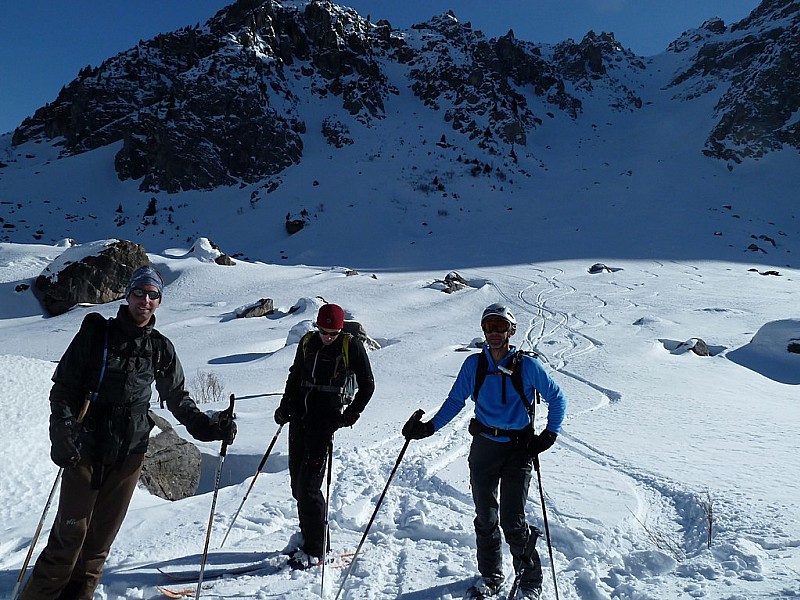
x,y
417,416
224,449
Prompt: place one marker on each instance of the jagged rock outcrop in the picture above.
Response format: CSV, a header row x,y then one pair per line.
x,y
209,106
756,60
476,81
94,273
227,103
599,64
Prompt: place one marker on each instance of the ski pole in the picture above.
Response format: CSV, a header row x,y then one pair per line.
x,y
258,472
326,531
546,525
84,410
418,415
222,452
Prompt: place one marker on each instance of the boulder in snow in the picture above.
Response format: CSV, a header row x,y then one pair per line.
x,y
94,273
171,465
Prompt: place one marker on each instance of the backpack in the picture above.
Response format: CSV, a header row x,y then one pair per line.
x,y
347,390
515,374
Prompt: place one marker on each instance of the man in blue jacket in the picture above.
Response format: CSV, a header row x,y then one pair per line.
x,y
504,446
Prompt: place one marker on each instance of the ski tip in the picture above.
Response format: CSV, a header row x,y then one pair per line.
x,y
182,593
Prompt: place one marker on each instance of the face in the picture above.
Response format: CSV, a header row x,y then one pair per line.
x,y
328,336
498,332
142,308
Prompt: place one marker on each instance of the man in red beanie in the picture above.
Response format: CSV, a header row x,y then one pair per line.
x,y
315,404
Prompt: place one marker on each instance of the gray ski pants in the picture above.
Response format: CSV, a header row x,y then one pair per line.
x,y
505,467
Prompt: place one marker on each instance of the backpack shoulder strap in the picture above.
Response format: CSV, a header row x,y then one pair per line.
x,y
516,377
480,374
346,351
304,341
98,318
157,344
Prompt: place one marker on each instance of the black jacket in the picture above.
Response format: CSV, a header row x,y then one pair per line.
x,y
320,365
117,423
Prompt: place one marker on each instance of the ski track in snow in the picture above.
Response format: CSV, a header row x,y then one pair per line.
x,y
416,486
423,512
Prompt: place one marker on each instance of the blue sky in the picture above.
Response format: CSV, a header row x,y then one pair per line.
x,y
43,44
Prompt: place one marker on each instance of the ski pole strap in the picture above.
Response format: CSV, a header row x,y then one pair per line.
x,y
477,428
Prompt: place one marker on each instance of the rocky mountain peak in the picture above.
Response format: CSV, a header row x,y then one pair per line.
x,y
755,63
228,103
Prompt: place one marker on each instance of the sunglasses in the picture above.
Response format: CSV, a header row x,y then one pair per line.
x,y
496,326
140,293
332,334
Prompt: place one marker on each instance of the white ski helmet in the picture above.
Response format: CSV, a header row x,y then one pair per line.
x,y
498,311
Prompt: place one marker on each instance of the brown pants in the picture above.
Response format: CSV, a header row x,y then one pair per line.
x,y
70,566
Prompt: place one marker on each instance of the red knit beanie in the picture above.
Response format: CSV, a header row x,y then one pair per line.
x,y
330,316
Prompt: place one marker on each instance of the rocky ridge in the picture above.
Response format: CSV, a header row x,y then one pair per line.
x,y
227,103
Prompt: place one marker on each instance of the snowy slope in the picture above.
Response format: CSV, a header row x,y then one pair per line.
x,y
653,433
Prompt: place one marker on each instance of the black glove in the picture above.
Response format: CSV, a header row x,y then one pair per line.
x,y
539,443
350,416
282,415
415,429
222,426
64,437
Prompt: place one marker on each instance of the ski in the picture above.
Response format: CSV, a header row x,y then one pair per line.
x,y
181,593
184,576
473,594
335,561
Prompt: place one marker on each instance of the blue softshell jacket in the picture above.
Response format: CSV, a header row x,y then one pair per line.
x,y
495,407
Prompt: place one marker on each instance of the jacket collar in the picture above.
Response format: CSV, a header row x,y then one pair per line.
x,y
129,327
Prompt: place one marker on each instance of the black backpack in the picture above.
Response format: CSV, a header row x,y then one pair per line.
x,y
347,391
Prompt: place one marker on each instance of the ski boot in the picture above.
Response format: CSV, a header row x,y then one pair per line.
x,y
485,587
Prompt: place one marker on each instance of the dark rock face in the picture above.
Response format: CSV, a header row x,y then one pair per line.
x,y
475,81
96,278
171,467
210,106
226,103
756,62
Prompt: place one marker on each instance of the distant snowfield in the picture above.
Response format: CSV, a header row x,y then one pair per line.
x,y
653,436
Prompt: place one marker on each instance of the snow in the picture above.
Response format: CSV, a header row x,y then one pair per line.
x,y
652,438
655,435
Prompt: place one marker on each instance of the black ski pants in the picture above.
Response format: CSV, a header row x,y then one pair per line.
x,y
70,566
505,467
308,453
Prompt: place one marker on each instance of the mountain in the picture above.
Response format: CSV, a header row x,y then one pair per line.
x,y
286,110
672,477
